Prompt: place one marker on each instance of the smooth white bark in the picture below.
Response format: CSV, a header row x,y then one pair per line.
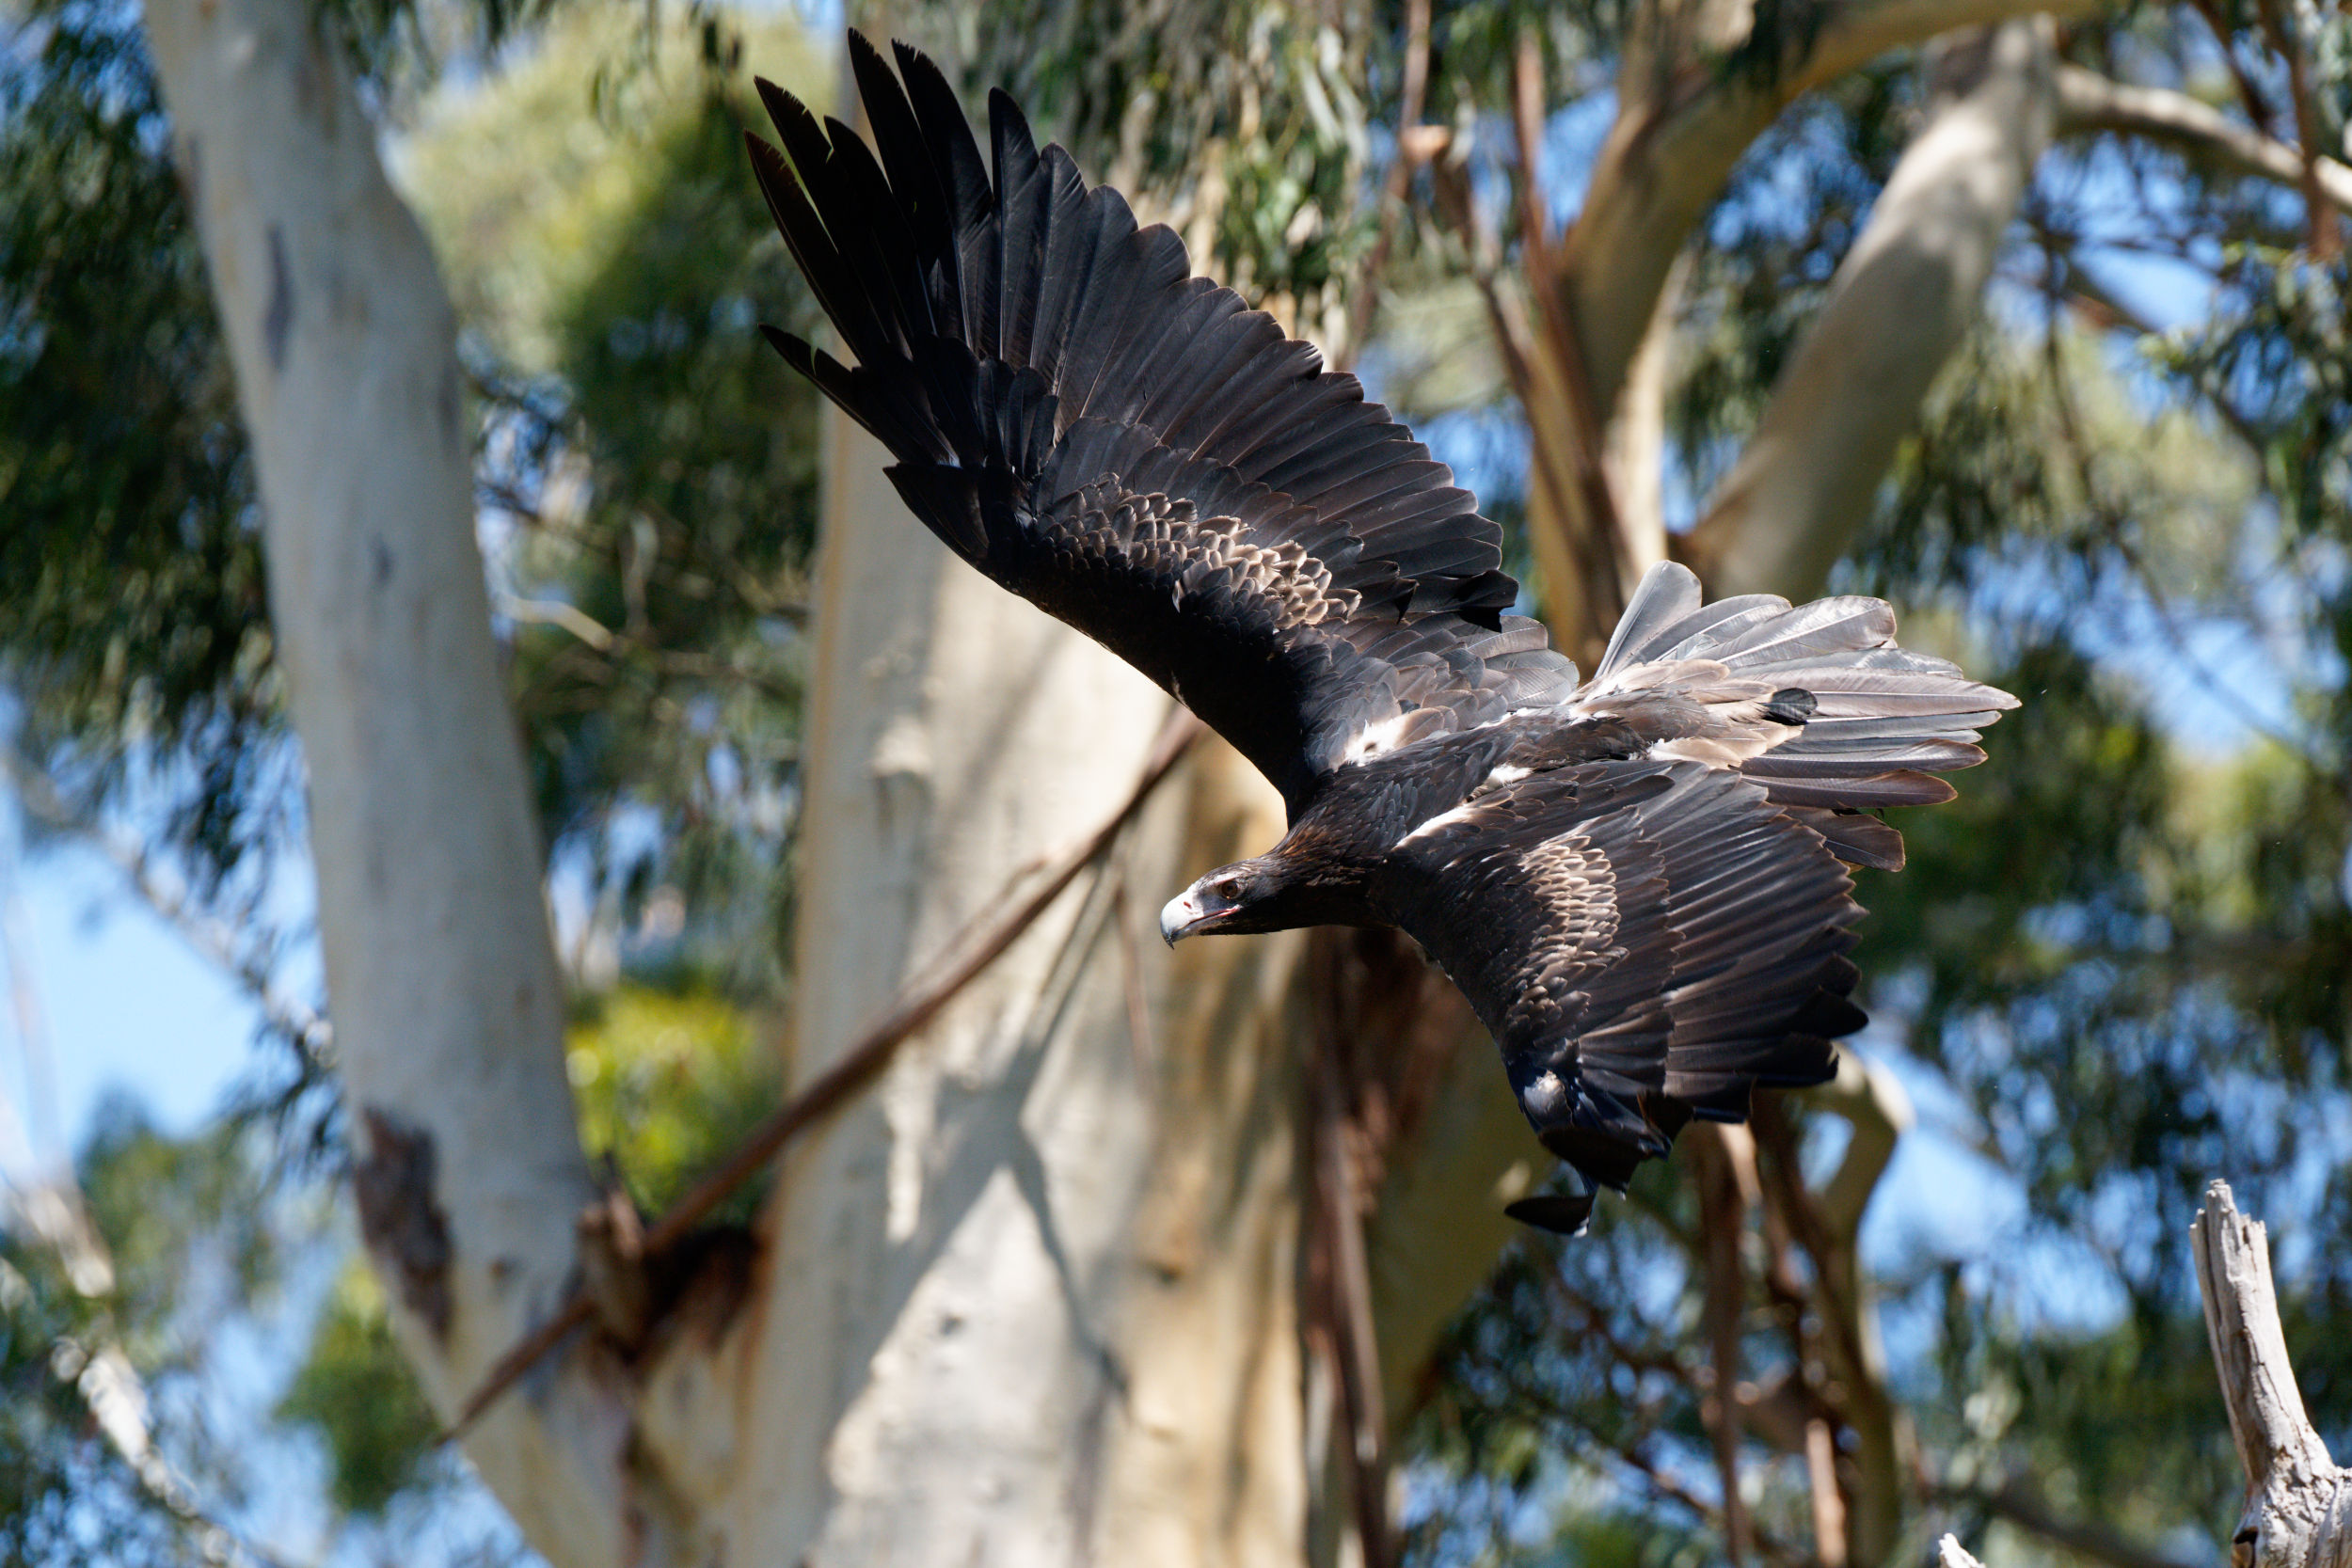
x,y
1901,301
442,980
1032,1301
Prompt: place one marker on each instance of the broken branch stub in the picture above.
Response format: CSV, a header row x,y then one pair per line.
x,y
2299,1508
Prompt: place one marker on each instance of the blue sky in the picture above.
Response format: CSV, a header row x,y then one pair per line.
x,y
120,999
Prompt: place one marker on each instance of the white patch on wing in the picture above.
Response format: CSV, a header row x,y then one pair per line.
x,y
1544,1097
1373,739
1504,773
1438,823
1718,750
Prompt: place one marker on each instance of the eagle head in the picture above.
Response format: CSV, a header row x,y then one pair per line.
x,y
1227,899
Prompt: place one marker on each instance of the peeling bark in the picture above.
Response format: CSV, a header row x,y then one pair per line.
x,y
400,1215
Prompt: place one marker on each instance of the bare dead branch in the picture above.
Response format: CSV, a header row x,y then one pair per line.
x,y
2298,1509
555,612
1829,1503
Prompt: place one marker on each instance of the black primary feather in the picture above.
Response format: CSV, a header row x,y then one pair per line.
x,y
1144,385
1640,883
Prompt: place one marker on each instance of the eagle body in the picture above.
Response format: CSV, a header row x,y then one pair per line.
x,y
1638,879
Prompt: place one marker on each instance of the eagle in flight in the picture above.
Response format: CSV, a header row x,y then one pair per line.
x,y
1639,882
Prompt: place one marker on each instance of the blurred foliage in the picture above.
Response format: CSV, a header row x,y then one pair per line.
x,y
133,1262
2120,958
354,1390
181,1217
1243,126
651,465
66,1498
134,640
668,1081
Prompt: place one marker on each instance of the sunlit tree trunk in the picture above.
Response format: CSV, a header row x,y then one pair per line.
x,y
1083,1279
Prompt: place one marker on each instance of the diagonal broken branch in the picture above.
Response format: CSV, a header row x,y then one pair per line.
x,y
974,949
2298,1506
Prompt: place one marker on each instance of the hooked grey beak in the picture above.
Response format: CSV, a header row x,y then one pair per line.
x,y
1176,917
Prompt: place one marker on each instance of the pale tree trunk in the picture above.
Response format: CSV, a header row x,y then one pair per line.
x,y
1060,1290
1030,1302
447,1000
1902,299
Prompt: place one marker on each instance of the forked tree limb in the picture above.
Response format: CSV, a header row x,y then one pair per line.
x,y
2298,1509
1682,125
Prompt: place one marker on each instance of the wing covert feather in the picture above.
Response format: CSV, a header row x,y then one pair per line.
x,y
1648,940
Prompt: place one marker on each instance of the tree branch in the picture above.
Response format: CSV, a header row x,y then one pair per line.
x,y
973,950
2299,1507
2317,210
1681,127
1828,1225
2088,102
1901,302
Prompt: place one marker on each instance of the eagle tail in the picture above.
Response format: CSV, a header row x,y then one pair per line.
x,y
1875,721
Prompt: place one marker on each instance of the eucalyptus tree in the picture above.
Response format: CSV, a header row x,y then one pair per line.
x,y
1130,1255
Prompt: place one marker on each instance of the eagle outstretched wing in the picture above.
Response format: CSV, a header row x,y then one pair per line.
x,y
1651,935
1640,883
1648,941
1133,449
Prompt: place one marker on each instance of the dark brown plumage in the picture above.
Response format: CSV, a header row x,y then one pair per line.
x,y
1637,881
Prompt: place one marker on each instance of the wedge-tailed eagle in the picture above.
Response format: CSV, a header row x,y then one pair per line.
x,y
1639,882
